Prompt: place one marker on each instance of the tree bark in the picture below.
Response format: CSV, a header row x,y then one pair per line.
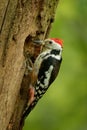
x,y
20,22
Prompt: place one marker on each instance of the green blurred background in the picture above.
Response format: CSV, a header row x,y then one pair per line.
x,y
64,106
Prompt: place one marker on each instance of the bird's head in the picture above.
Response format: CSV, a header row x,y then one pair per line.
x,y
51,43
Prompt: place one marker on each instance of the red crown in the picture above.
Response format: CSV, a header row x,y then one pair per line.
x,y
59,41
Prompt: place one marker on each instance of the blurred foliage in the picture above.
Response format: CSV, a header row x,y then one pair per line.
x,y
64,106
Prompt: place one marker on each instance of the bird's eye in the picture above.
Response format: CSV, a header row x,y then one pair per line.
x,y
50,42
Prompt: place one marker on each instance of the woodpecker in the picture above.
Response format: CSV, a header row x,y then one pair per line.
x,y
46,68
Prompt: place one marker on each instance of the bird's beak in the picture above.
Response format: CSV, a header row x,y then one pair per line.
x,y
38,42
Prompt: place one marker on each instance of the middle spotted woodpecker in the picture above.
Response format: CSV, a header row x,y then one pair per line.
x,y
46,68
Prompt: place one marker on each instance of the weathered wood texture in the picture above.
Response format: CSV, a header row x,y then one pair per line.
x,y
20,22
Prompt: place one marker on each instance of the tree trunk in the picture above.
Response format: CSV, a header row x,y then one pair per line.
x,y
21,21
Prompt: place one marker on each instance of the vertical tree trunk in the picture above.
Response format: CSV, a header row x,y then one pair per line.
x,y
20,22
